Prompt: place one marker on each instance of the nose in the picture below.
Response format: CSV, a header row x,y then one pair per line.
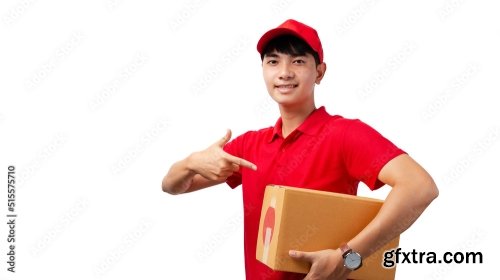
x,y
286,72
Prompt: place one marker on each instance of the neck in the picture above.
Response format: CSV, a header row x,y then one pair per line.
x,y
294,117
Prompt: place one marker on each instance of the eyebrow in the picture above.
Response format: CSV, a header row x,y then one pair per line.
x,y
275,55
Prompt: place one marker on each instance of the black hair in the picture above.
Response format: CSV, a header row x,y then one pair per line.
x,y
291,45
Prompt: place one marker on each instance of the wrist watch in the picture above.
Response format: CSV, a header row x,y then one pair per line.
x,y
352,260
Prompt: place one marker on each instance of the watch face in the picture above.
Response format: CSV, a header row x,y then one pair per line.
x,y
352,261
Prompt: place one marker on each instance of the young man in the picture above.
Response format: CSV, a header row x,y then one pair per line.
x,y
307,148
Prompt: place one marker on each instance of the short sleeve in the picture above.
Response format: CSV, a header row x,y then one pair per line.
x,y
234,147
366,152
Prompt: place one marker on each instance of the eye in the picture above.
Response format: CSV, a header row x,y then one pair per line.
x,y
272,62
299,61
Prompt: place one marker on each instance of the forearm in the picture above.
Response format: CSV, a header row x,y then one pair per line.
x,y
402,207
179,178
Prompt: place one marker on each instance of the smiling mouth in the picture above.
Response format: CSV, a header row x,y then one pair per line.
x,y
286,86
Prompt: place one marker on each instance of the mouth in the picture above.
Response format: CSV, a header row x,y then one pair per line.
x,y
290,86
285,88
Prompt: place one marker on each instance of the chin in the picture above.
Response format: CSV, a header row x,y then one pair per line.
x,y
282,99
289,98
287,103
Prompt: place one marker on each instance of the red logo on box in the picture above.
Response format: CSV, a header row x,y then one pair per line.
x,y
268,223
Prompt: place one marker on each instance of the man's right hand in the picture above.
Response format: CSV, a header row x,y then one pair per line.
x,y
215,164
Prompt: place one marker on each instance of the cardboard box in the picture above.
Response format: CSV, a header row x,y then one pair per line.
x,y
310,220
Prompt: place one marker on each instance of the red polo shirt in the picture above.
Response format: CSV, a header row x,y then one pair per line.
x,y
325,152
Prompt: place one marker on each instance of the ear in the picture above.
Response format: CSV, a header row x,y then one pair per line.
x,y
320,70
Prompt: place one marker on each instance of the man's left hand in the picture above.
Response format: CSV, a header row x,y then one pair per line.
x,y
325,264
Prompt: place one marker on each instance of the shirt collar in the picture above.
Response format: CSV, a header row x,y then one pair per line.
x,y
310,126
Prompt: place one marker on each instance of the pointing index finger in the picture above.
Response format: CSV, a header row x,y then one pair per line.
x,y
240,161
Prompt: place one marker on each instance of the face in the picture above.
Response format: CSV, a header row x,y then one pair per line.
x,y
353,261
290,80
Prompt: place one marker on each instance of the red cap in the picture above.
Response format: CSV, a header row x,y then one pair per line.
x,y
295,28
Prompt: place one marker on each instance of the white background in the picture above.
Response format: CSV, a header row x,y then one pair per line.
x,y
99,98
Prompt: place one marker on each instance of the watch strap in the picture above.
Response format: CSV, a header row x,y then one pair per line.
x,y
345,249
